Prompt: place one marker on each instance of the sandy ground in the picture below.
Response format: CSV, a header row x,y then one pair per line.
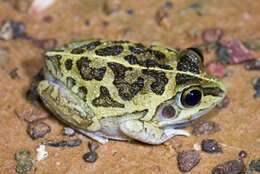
x,y
81,19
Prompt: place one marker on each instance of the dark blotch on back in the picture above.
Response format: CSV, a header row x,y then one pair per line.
x,y
77,51
125,89
183,79
138,49
68,64
105,99
131,59
110,51
158,86
89,73
158,54
188,64
91,45
82,92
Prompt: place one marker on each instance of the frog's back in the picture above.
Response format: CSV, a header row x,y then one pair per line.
x,y
117,77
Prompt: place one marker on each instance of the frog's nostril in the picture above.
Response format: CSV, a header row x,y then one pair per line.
x,y
168,112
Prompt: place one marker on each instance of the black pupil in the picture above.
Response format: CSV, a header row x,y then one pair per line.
x,y
193,97
168,112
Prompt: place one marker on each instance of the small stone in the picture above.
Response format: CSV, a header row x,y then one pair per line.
x,y
238,53
223,55
229,167
255,165
256,83
14,75
216,68
211,36
12,30
111,6
24,162
46,44
69,131
90,157
74,143
210,146
253,44
162,18
223,104
205,128
252,65
68,143
257,94
130,11
187,160
38,129
242,154
92,147
47,19
21,5
3,55
87,22
168,5
40,5
105,23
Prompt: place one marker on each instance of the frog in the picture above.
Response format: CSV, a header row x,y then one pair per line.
x,y
123,90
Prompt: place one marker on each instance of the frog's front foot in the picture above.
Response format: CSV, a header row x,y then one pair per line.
x,y
148,132
66,106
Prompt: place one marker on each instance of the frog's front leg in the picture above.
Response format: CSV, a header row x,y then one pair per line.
x,y
149,132
66,106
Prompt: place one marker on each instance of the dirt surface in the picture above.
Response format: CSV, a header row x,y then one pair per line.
x,y
178,25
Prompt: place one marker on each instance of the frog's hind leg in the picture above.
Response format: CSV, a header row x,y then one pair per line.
x,y
67,108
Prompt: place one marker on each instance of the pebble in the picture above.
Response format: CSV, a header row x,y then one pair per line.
x,y
216,68
232,166
38,129
14,74
252,65
211,36
46,44
91,156
69,131
68,143
255,165
256,85
205,128
210,146
111,6
187,160
12,30
24,162
237,52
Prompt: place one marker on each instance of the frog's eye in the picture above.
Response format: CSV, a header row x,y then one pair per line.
x,y
168,112
197,51
191,97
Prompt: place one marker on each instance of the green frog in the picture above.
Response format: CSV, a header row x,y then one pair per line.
x,y
121,90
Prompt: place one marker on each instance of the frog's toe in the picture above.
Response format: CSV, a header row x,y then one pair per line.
x,y
145,132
